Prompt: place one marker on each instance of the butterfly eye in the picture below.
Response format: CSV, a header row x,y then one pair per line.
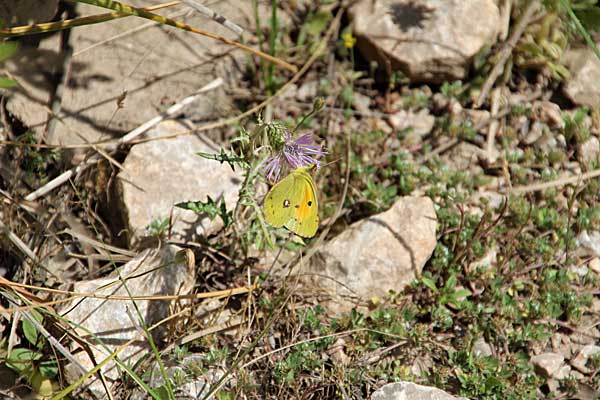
x,y
286,203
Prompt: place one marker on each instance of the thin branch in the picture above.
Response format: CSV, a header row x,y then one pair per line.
x,y
536,187
18,243
507,51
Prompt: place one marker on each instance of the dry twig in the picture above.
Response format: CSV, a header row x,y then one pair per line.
x,y
507,51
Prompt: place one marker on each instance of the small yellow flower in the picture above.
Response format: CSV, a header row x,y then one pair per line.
x,y
349,40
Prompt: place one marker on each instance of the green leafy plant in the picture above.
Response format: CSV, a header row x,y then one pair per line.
x,y
31,362
209,208
7,50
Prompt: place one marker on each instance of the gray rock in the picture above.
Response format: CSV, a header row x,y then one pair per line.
x,y
535,132
410,391
420,123
464,156
160,173
581,359
548,113
361,103
589,243
493,198
337,352
562,372
548,364
422,365
307,91
484,262
561,344
165,271
187,371
594,265
595,308
589,150
375,255
477,118
481,348
429,41
550,141
582,87
587,332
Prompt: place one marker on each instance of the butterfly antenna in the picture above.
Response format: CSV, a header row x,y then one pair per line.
x,y
332,162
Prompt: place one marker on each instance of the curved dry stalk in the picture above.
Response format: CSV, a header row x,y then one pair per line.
x,y
124,10
291,345
140,12
76,295
46,27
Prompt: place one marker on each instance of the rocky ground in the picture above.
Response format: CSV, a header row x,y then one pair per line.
x,y
458,252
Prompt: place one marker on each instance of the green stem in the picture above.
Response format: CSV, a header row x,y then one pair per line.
x,y
581,28
272,40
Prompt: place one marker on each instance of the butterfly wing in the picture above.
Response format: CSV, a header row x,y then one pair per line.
x,y
277,207
304,220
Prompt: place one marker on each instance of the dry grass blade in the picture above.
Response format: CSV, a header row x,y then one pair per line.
x,y
171,112
98,244
139,12
536,187
202,9
20,288
18,242
72,23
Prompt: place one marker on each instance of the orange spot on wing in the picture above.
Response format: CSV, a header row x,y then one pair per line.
x,y
303,211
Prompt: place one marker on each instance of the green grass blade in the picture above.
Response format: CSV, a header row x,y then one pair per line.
x,y
581,28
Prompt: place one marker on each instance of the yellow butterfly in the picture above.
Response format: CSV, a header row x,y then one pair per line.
x,y
293,203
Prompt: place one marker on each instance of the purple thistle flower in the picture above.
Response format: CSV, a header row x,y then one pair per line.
x,y
292,154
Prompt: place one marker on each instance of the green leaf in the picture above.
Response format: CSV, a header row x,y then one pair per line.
x,y
6,83
49,368
450,283
162,392
429,283
30,331
21,360
590,18
231,159
209,208
317,23
460,294
7,49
